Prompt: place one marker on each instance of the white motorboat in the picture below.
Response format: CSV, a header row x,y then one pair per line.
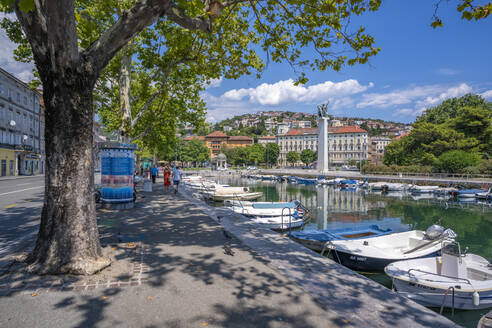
x,y
279,222
423,189
266,212
237,193
484,195
292,204
373,254
376,185
453,280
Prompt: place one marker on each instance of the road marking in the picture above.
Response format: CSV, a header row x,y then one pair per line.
x,y
23,184
9,206
13,192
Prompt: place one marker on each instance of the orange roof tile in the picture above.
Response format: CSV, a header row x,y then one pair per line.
x,y
240,138
201,138
301,131
267,137
347,129
217,134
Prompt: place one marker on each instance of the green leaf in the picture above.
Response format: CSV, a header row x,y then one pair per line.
x,y
26,5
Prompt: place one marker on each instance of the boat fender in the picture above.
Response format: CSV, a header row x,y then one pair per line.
x,y
476,298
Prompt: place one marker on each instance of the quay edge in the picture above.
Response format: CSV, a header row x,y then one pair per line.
x,y
360,301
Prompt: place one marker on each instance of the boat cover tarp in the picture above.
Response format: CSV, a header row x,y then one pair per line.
x,y
341,233
275,205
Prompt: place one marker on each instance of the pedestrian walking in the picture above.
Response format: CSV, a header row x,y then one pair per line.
x,y
154,172
176,178
167,178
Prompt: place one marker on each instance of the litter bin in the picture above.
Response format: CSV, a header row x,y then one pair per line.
x,y
147,185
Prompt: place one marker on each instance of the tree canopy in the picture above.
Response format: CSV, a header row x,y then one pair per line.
x,y
458,124
292,157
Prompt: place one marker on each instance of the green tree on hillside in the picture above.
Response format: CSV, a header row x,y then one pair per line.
x,y
450,108
445,128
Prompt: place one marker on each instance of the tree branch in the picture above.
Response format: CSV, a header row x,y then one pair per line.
x,y
50,29
131,22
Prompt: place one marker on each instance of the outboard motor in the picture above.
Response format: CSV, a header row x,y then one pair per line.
x,y
434,231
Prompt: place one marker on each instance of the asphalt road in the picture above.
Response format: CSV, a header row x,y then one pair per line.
x,y
21,201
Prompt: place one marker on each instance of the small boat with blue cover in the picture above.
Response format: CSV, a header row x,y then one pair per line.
x,y
316,239
469,193
373,254
306,181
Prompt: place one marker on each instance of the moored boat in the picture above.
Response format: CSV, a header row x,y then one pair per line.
x,y
423,189
373,254
279,222
306,181
453,280
238,193
468,193
316,239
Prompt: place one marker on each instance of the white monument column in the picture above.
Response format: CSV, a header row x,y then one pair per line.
x,y
322,139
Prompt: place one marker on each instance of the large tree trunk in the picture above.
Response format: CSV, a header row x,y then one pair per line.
x,y
68,239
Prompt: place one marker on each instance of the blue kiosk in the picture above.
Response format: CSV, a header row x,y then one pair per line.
x,y
117,169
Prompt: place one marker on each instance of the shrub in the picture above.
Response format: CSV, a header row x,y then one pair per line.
x,y
455,161
485,166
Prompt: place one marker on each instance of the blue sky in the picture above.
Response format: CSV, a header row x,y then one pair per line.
x,y
418,67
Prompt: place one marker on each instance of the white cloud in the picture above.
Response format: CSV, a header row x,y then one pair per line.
x,y
214,83
404,112
22,71
487,94
434,100
447,71
422,96
284,92
397,97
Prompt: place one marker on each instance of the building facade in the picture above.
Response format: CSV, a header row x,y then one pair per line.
x,y
266,139
377,148
347,143
217,139
297,140
21,123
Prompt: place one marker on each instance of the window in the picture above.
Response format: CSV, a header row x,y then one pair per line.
x,y
10,93
11,115
18,97
1,89
25,100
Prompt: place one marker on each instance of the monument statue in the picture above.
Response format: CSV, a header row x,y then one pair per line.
x,y
322,110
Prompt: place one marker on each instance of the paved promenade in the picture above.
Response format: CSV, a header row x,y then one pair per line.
x,y
179,274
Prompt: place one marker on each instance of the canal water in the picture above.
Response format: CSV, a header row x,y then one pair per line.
x,y
334,208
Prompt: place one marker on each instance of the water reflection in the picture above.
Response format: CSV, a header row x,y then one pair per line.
x,y
333,208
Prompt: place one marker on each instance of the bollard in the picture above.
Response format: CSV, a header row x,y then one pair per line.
x,y
147,185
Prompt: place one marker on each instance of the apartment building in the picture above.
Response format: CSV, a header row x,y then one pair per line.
x,y
344,143
376,150
21,128
267,139
297,140
215,140
347,143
